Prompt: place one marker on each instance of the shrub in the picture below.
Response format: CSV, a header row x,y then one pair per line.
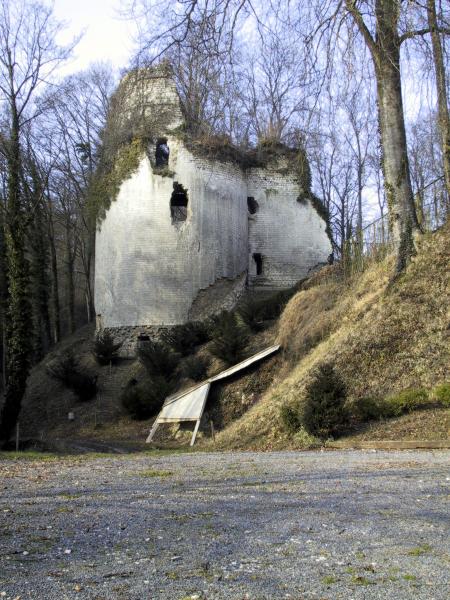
x,y
325,413
195,368
366,409
184,338
272,307
84,386
104,349
291,417
250,312
230,338
441,394
404,402
63,368
158,359
68,371
143,400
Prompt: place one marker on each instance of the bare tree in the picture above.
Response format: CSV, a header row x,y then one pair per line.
x,y
441,86
28,57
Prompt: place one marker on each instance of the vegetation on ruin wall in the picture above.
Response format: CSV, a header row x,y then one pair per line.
x,y
107,181
125,139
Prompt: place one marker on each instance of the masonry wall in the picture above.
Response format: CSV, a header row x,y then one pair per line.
x,y
289,235
150,271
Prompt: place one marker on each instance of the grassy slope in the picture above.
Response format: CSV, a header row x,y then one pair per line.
x,y
381,338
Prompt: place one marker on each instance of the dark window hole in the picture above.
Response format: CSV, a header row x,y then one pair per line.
x,y
257,257
252,205
162,153
178,203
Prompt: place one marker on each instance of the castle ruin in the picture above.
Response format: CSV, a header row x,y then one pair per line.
x,y
191,228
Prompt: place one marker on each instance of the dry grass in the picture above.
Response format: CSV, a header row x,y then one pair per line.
x,y
382,339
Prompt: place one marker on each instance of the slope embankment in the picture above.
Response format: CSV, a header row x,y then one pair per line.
x,y
381,337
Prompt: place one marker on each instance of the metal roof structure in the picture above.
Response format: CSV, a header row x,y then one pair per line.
x,y
188,405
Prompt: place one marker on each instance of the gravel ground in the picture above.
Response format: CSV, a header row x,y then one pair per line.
x,y
316,525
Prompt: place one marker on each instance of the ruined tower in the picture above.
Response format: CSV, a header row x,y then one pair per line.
x,y
182,236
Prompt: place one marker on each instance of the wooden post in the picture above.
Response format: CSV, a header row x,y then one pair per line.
x,y
17,436
194,435
152,432
213,434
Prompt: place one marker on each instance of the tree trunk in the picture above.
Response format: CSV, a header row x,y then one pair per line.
x,y
40,285
442,99
54,271
18,324
70,260
399,194
385,51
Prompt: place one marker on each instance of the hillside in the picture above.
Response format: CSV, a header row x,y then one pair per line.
x,y
382,338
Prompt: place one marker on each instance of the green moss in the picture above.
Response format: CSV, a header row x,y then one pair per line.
x,y
420,550
111,174
405,401
441,394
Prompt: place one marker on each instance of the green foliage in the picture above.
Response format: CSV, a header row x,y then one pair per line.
x,y
251,312
104,349
142,401
291,417
404,402
195,368
441,394
158,359
63,368
230,338
367,409
68,371
113,171
325,413
184,338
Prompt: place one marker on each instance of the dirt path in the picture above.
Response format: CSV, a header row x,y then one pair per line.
x,y
318,525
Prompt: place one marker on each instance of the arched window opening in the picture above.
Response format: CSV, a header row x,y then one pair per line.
x,y
178,203
257,257
162,153
252,205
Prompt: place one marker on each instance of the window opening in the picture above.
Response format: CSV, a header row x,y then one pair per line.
x,y
178,203
252,205
162,153
257,257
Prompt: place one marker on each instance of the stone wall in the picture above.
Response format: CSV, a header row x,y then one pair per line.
x,y
289,234
148,269
153,270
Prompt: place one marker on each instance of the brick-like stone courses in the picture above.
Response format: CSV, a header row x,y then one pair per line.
x,y
290,235
149,270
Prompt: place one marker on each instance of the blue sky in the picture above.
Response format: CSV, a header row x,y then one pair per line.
x,y
106,37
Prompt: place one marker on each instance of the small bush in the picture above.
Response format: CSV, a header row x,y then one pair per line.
x,y
62,369
195,368
325,413
104,349
158,359
250,312
184,338
404,402
230,338
441,394
291,417
143,400
84,386
68,371
367,409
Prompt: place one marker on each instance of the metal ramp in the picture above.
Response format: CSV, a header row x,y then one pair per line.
x,y
189,404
